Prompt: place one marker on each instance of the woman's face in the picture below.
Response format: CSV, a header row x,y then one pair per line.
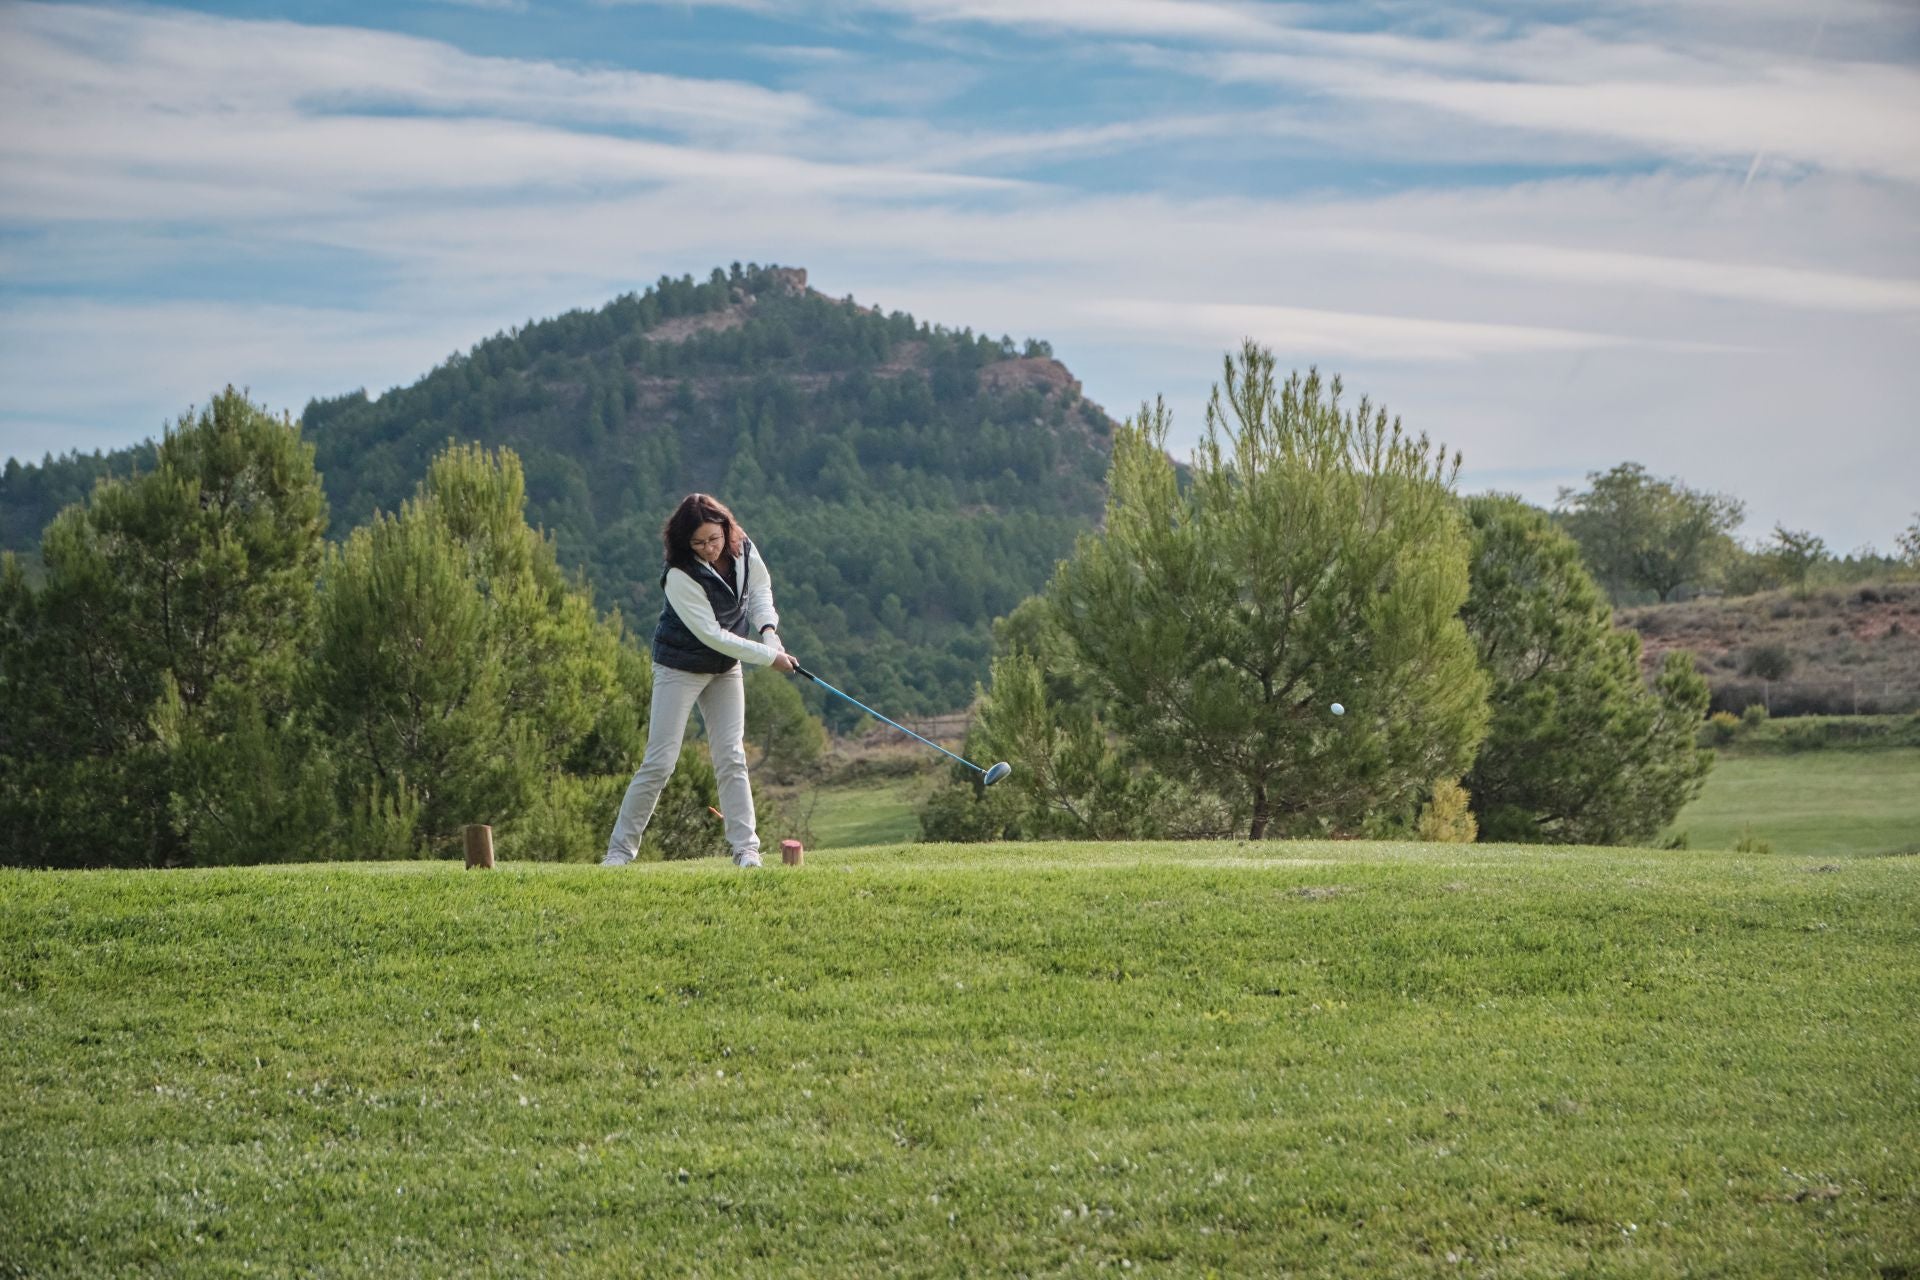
x,y
708,541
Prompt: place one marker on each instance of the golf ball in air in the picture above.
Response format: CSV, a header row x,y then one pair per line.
x,y
1338,710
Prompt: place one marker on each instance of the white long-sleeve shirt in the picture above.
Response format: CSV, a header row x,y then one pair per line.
x,y
689,600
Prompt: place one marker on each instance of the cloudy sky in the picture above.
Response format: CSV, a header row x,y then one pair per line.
x,y
1557,235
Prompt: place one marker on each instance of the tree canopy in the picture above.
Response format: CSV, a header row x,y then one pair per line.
x,y
173,614
1639,532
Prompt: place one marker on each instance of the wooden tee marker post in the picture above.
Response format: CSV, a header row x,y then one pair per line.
x,y
479,846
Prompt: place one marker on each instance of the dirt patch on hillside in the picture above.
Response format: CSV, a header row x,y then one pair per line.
x,y
780,280
1042,373
680,328
905,356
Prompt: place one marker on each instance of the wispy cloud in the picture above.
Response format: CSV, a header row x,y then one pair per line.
x,y
1165,19
1315,335
1668,86
1796,287
134,115
490,6
57,60
1861,117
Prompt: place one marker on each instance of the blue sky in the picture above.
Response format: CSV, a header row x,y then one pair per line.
x,y
1555,235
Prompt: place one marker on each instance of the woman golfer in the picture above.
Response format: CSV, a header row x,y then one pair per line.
x,y
719,613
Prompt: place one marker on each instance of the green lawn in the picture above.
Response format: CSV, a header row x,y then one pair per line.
x,y
1811,802
874,811
1337,1059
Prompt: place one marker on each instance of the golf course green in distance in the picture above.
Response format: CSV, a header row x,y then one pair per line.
x,y
1339,1059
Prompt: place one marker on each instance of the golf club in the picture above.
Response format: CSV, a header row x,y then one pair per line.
x,y
987,776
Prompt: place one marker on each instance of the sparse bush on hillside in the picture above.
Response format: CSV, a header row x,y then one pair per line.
x,y
1795,552
1908,543
1767,662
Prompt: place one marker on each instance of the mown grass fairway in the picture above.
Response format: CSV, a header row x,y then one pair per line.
x,y
875,811
1319,1059
1810,802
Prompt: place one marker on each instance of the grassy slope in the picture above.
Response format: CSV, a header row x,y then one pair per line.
x,y
1343,1059
1837,801
880,811
1810,802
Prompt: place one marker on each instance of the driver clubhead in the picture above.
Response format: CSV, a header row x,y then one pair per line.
x,y
996,773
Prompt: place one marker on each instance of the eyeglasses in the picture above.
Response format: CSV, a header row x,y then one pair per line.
x,y
713,541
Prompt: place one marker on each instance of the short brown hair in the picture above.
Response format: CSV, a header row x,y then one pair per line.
x,y
696,509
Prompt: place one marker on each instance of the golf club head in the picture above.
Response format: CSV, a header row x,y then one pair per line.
x,y
996,773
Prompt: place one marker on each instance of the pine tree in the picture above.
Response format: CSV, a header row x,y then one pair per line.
x,y
146,688
1579,749
1316,556
459,672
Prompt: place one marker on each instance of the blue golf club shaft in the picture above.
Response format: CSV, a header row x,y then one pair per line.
x,y
876,715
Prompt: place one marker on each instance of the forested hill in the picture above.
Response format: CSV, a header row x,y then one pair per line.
x,y
906,482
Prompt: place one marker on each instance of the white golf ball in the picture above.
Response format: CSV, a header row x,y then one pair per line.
x,y
1338,709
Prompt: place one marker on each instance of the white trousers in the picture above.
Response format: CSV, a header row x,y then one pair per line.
x,y
723,706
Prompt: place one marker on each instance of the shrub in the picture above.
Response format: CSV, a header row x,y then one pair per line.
x,y
1766,662
961,814
1446,818
1751,843
1651,622
1722,726
1755,715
